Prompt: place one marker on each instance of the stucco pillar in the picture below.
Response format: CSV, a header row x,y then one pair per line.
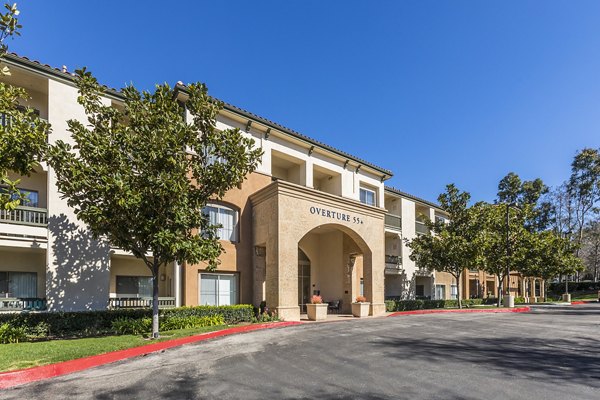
x,y
374,275
283,290
177,283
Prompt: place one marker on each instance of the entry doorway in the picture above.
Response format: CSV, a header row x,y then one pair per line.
x,y
303,281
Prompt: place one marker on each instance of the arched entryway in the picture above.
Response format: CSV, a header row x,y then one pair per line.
x,y
336,234
332,264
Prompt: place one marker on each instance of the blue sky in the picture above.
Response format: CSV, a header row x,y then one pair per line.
x,y
436,91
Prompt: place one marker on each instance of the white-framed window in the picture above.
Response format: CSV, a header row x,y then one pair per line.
x,y
368,196
440,219
134,286
217,289
453,292
18,284
440,292
224,217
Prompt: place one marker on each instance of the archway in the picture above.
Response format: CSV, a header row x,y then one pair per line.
x,y
333,262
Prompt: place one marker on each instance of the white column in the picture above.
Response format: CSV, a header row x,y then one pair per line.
x,y
177,283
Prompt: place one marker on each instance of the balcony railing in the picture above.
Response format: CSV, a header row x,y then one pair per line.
x,y
22,215
140,302
421,228
22,304
393,221
396,260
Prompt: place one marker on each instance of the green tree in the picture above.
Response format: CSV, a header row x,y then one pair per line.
x,y
139,176
23,134
584,189
547,255
451,247
500,239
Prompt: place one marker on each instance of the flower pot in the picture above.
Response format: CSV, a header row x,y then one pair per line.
x,y
360,309
317,312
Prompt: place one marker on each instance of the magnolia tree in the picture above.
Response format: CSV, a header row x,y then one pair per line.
x,y
22,133
139,176
452,246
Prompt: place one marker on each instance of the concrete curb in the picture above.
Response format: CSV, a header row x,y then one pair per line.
x,y
463,310
28,375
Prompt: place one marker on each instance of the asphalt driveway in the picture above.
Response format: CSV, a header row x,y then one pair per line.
x,y
550,353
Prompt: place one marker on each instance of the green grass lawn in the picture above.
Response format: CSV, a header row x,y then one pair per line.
x,y
24,355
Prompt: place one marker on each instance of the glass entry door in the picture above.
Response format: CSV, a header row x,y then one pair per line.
x,y
303,281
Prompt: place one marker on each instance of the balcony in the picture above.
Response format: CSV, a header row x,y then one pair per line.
x,y
421,228
31,216
393,264
393,222
140,302
24,304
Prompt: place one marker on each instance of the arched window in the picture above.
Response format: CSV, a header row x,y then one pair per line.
x,y
226,218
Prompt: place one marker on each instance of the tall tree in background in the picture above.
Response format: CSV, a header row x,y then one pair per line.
x,y
140,176
452,246
23,134
584,189
590,251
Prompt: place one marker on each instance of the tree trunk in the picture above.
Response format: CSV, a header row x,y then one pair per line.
x,y
499,300
155,333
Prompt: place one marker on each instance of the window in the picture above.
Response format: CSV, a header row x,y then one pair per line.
x,y
224,217
29,198
439,219
362,286
218,289
453,292
367,196
440,292
134,286
420,290
18,284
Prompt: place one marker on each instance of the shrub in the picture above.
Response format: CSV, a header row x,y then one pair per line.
x,y
192,321
361,299
266,317
519,300
12,334
129,326
409,305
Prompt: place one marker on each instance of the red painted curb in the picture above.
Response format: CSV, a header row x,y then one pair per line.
x,y
463,310
22,376
579,302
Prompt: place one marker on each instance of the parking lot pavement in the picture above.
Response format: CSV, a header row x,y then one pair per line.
x,y
549,353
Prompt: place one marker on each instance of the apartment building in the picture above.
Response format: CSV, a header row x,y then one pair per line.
x,y
311,219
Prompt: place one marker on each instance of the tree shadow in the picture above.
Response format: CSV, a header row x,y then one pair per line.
x,y
78,273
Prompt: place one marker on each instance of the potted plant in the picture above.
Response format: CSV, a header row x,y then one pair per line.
x,y
360,308
316,310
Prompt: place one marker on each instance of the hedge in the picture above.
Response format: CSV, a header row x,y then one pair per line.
x,y
409,305
92,323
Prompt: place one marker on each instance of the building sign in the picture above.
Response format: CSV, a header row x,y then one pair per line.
x,y
340,216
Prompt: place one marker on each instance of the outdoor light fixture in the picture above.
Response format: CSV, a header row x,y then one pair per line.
x,y
260,251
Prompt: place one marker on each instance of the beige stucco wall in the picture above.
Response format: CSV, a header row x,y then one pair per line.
x,y
26,260
237,257
285,213
78,273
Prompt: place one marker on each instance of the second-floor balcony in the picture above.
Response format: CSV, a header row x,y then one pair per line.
x,y
421,228
393,264
22,215
393,222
